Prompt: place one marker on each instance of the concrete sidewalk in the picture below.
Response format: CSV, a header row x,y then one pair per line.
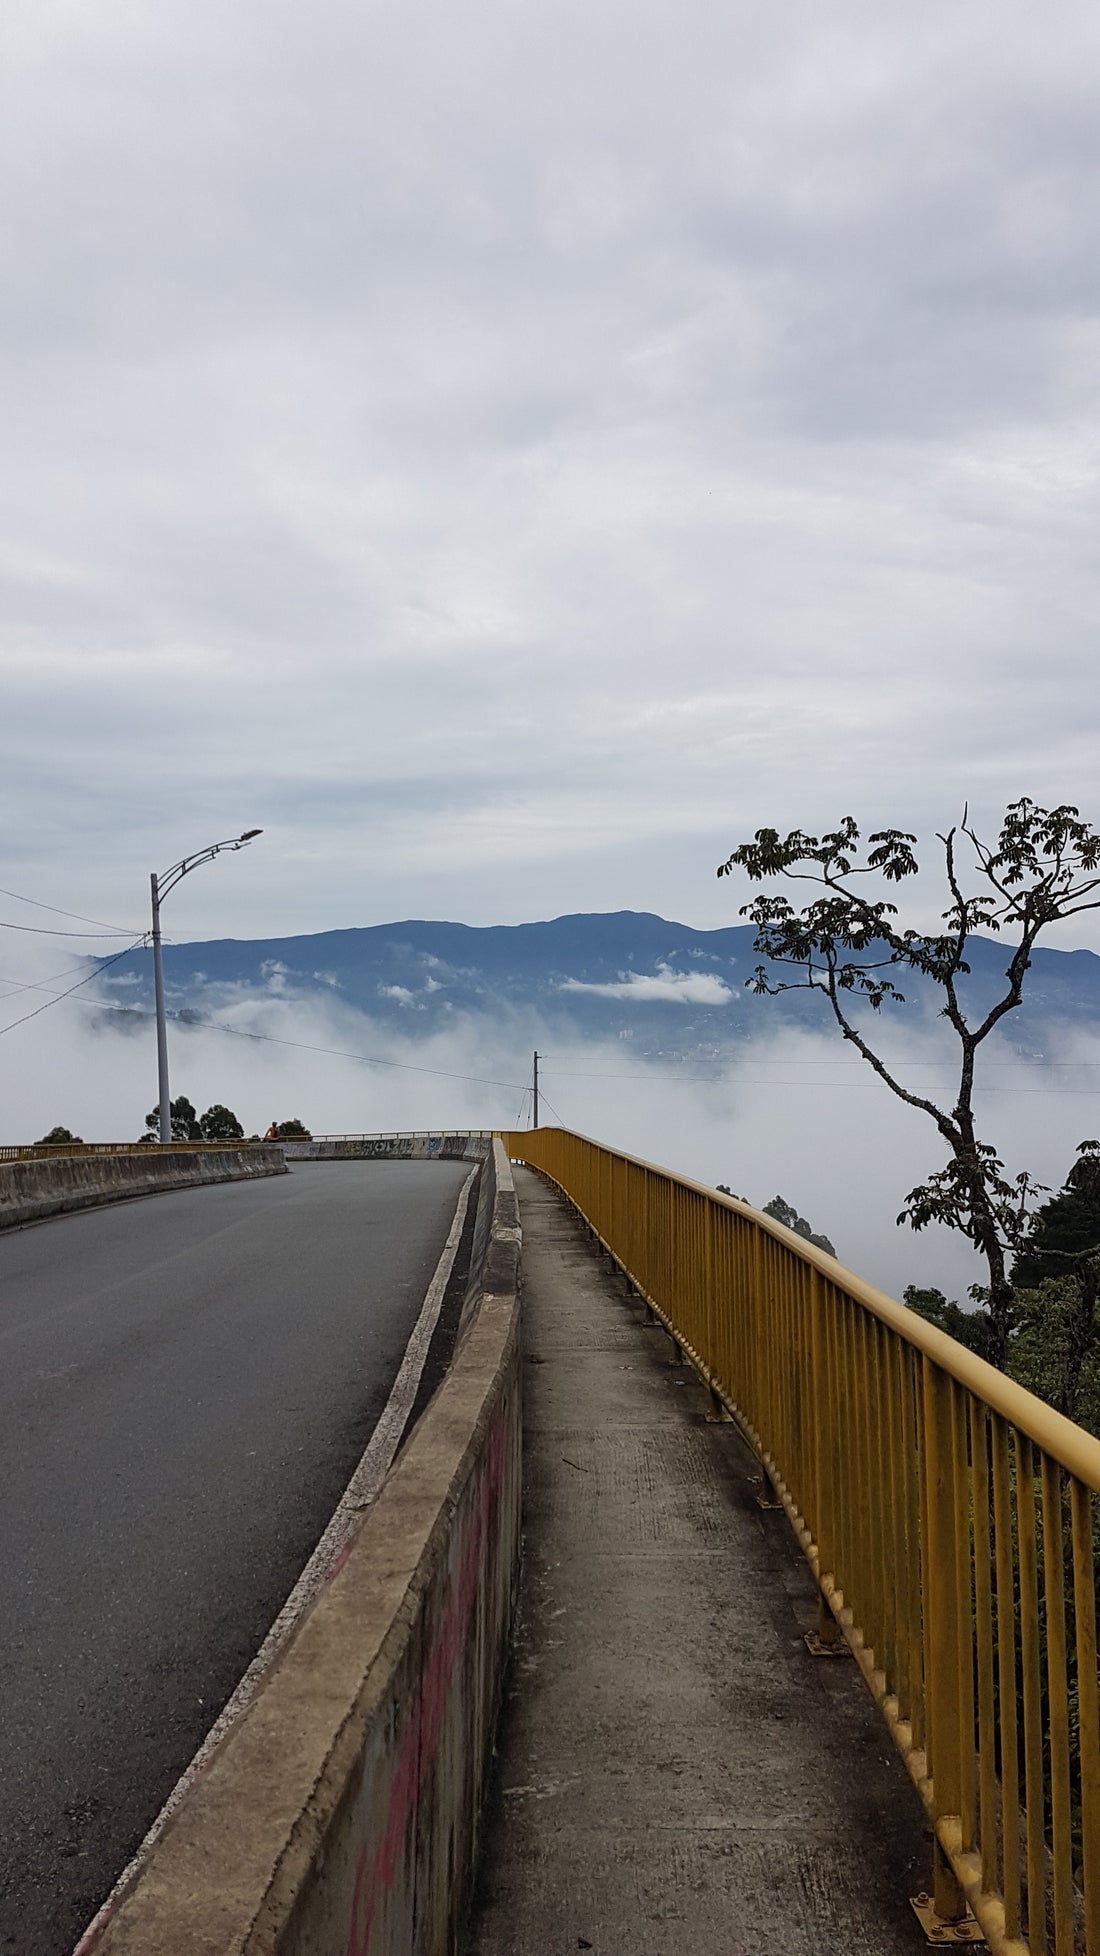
x,y
676,1772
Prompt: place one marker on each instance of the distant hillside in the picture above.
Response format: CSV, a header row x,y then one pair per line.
x,y
662,985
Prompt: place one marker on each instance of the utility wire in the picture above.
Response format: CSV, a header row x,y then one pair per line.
x,y
551,1106
38,985
115,929
898,1059
742,1080
187,1018
510,1086
40,930
58,996
522,1109
368,1059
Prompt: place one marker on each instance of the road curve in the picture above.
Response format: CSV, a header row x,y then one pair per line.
x,y
186,1383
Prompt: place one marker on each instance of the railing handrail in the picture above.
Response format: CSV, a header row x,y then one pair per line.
x,y
1077,1451
949,1517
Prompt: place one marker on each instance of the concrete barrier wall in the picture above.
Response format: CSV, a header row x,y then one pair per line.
x,y
390,1147
340,1816
30,1191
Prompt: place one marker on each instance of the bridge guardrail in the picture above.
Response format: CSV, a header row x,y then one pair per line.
x,y
420,1144
949,1516
55,1150
341,1812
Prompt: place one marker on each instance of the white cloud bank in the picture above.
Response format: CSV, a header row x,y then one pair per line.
x,y
791,1116
679,987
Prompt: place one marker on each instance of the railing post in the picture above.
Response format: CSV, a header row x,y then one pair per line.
x,y
942,1652
948,1900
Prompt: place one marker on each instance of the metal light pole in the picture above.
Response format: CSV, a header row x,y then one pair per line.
x,y
160,888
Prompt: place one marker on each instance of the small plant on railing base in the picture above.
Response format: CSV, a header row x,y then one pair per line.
x,y
1044,868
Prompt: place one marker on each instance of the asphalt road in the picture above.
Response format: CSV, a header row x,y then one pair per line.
x,y
186,1383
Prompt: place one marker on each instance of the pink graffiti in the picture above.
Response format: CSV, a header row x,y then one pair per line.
x,y
374,1873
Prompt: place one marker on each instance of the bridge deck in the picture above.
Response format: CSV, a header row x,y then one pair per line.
x,y
676,1771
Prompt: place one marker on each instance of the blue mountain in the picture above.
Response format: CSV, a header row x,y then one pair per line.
x,y
624,974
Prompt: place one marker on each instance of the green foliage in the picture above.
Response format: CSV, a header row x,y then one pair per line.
x,y
1057,1278
1065,1228
58,1135
220,1124
185,1122
217,1124
970,1328
846,944
292,1130
785,1213
1054,1348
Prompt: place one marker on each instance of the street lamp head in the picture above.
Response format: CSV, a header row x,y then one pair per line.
x,y
249,833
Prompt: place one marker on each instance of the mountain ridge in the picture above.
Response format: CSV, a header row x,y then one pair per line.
x,y
600,974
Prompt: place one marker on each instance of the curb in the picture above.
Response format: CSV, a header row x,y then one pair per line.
x,y
341,1812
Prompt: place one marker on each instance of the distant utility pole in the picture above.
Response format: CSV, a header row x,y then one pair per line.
x,y
535,1096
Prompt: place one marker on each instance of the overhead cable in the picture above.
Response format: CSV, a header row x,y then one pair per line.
x,y
115,929
58,996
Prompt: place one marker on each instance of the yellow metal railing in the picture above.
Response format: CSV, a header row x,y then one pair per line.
x,y
949,1517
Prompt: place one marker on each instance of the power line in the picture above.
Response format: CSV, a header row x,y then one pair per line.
x,y
39,985
368,1059
805,1060
743,1080
522,1107
40,930
187,1018
115,929
58,996
552,1108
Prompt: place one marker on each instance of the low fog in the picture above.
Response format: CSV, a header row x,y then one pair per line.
x,y
795,1116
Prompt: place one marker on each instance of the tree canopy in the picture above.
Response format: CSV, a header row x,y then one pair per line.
x,y
847,944
220,1124
217,1124
785,1213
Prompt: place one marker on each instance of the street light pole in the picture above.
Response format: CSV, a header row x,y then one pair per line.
x,y
162,1022
160,887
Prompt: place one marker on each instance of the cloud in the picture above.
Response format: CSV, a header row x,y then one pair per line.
x,y
510,455
681,987
791,1116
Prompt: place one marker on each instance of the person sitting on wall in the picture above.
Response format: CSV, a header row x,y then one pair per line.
x,y
273,1132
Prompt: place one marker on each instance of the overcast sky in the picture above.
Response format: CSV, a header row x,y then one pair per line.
x,y
511,451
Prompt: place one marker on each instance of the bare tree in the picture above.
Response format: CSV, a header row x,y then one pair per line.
x,y
845,941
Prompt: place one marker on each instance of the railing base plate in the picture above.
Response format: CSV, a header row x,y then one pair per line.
x,y
937,1931
825,1647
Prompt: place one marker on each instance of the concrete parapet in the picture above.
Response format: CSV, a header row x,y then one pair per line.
x,y
341,1813
31,1191
389,1147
